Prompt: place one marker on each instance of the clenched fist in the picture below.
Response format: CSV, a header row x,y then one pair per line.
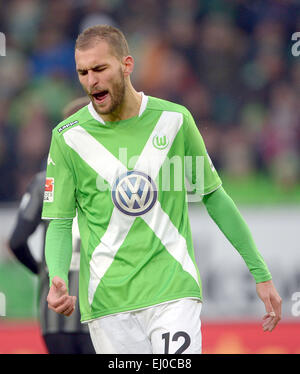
x,y
59,299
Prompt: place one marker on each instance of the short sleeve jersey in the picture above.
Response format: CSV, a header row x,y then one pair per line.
x,y
129,182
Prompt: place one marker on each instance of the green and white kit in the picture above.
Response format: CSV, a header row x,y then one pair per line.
x,y
126,182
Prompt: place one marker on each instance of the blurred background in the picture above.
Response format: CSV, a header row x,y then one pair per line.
x,y
230,63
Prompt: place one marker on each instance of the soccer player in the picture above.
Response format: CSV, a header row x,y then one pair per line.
x,y
140,290
62,335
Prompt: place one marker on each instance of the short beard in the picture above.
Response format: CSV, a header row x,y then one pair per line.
x,y
117,94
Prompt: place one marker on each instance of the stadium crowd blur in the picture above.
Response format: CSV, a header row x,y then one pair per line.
x,y
228,62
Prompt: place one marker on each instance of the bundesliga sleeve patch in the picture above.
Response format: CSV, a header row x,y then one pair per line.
x,y
49,190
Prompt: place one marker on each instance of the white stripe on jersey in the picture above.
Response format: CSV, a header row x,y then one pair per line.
x,y
170,237
104,254
89,149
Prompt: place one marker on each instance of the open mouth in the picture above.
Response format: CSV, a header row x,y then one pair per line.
x,y
100,96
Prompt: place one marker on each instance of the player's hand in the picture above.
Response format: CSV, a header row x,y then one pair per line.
x,y
270,297
58,298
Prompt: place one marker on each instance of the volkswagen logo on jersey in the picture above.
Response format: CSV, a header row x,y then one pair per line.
x,y
134,193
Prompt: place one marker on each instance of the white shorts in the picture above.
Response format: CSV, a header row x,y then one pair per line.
x,y
171,328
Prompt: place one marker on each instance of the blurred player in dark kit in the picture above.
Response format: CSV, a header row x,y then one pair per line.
x,y
62,335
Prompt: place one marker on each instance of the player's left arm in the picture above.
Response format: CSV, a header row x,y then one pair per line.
x,y
226,215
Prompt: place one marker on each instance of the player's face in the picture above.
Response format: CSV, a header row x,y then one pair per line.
x,y
101,76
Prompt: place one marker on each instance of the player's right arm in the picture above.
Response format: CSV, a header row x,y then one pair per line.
x,y
60,208
58,255
58,249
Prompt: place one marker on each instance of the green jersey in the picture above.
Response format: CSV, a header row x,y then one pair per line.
x,y
129,183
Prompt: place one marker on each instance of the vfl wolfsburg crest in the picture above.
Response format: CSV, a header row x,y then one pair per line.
x,y
134,193
160,142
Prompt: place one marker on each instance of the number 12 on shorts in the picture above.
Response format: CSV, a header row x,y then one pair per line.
x,y
176,337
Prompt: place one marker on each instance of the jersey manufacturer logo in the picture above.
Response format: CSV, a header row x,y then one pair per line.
x,y
50,161
210,162
160,142
134,193
66,126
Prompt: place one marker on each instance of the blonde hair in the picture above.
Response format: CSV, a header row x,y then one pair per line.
x,y
113,36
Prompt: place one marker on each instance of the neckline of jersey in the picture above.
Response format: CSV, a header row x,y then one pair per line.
x,y
98,118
